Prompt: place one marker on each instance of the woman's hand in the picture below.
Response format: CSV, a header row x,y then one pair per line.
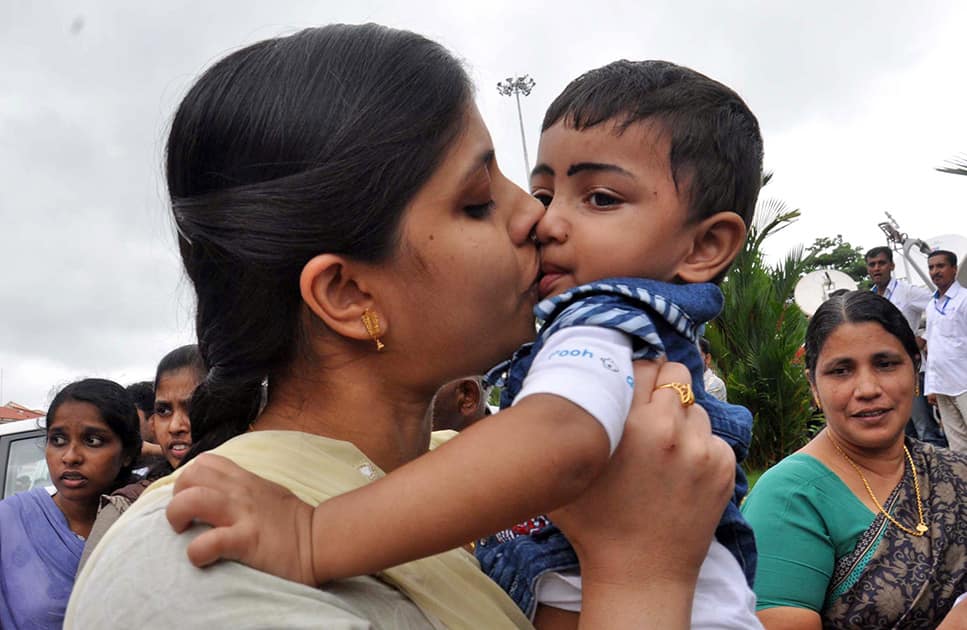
x,y
254,521
644,527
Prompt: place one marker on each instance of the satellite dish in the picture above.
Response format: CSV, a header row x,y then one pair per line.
x,y
815,287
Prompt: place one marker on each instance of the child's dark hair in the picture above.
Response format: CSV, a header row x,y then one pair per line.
x,y
117,411
286,149
716,146
855,307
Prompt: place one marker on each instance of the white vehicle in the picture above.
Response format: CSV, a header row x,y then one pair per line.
x,y
22,462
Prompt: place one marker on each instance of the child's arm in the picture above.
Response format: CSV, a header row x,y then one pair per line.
x,y
526,460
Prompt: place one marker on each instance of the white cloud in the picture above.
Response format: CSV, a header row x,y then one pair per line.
x,y
858,102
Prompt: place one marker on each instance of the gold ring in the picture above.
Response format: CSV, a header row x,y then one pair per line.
x,y
684,390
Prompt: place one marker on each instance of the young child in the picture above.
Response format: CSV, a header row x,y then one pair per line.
x,y
650,174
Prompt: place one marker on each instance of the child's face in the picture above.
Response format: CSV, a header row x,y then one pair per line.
x,y
612,206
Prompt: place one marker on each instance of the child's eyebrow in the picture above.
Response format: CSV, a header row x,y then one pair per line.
x,y
597,166
542,169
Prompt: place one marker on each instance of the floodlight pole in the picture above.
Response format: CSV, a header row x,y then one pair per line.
x,y
517,86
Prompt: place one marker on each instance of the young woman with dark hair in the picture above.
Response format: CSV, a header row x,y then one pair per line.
x,y
179,373
176,378
93,439
336,197
861,528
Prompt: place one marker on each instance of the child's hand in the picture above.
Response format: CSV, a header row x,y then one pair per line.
x,y
256,522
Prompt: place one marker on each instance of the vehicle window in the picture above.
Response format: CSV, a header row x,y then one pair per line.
x,y
26,465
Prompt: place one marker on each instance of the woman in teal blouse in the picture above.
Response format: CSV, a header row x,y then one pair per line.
x,y
860,528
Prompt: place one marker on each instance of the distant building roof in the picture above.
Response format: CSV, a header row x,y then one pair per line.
x,y
14,411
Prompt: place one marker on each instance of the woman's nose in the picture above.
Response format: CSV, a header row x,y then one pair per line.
x,y
180,423
867,385
72,455
523,221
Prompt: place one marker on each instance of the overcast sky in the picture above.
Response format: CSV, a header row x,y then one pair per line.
x,y
858,102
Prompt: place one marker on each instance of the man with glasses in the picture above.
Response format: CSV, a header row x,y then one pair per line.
x,y
946,376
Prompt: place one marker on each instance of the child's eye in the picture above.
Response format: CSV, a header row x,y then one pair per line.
x,y
603,200
544,197
162,410
481,210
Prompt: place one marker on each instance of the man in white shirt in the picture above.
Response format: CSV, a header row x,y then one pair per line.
x,y
946,379
912,302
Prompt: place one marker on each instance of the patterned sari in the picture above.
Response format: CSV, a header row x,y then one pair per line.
x,y
893,579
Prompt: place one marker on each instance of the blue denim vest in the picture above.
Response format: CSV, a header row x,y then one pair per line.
x,y
662,319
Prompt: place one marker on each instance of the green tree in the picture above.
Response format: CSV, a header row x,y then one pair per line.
x,y
835,253
757,338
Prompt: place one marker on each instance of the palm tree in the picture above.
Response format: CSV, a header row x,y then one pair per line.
x,y
757,339
956,165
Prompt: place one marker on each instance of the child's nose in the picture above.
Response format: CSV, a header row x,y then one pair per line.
x,y
552,228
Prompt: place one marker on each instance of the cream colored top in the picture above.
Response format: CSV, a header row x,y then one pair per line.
x,y
140,576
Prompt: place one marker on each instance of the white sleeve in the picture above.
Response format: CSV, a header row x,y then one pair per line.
x,y
591,367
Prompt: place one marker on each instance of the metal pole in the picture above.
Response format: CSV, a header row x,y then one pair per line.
x,y
523,141
517,85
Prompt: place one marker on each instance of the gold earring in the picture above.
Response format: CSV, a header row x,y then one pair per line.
x,y
371,322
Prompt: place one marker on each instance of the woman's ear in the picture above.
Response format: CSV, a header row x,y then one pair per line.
x,y
717,241
334,289
815,393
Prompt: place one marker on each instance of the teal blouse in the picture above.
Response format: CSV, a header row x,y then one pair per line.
x,y
804,518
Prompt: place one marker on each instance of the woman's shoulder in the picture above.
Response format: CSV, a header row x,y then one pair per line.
x,y
141,553
796,471
37,498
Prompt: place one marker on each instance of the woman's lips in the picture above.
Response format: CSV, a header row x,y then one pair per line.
x,y
870,415
73,480
178,449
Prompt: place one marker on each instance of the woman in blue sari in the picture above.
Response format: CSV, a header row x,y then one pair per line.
x,y
93,439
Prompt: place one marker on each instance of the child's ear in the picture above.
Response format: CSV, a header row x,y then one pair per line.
x,y
717,241
335,290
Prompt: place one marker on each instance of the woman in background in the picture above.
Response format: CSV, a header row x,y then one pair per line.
x,y
861,528
93,438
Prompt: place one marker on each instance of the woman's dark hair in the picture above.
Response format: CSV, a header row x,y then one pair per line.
x,y
117,411
855,307
179,358
286,149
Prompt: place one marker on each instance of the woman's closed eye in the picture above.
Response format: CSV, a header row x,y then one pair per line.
x,y
480,210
